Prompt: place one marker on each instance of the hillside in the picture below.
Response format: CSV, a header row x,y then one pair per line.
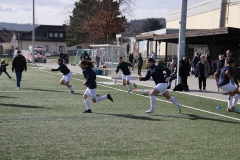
x,y
16,26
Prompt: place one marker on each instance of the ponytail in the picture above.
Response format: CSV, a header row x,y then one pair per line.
x,y
87,63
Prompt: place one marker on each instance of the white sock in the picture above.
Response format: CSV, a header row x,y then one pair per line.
x,y
127,87
174,101
87,103
101,98
152,102
230,98
70,88
131,83
236,96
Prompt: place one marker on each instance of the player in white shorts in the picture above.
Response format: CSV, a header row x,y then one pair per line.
x,y
156,72
126,76
224,83
90,83
67,74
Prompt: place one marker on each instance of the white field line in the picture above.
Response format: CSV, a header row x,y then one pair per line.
x,y
220,115
21,91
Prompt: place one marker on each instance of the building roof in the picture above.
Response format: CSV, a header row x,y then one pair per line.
x,y
41,33
6,35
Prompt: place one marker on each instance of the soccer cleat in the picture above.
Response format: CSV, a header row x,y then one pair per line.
x,y
129,90
179,109
87,111
71,92
231,109
109,97
149,111
9,77
135,85
18,87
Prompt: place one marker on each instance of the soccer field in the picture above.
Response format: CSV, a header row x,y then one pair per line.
x,y
42,120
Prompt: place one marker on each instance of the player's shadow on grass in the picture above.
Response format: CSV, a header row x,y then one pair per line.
x,y
45,90
23,106
131,116
197,117
7,97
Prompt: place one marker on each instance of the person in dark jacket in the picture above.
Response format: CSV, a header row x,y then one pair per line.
x,y
131,58
19,65
225,84
90,83
202,72
195,60
65,58
126,74
3,68
230,56
218,65
156,72
67,74
173,75
84,55
184,72
139,63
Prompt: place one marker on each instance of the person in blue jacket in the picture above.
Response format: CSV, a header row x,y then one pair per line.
x,y
90,83
67,74
156,72
126,74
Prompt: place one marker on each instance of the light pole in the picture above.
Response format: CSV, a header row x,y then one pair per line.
x,y
182,36
33,36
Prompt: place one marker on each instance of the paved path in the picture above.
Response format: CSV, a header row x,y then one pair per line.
x,y
192,82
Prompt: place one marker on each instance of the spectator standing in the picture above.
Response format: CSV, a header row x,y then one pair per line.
x,y
184,72
84,55
128,48
230,56
61,55
131,58
202,72
19,65
173,75
195,60
154,56
65,58
218,65
139,63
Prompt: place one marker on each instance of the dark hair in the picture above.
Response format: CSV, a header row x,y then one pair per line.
x,y
87,63
59,59
120,57
230,61
150,60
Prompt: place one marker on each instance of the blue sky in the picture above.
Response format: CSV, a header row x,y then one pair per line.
x,y
56,12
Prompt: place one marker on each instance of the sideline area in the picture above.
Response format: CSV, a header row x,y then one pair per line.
x,y
192,82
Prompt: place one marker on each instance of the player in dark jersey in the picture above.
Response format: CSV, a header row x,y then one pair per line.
x,y
126,74
90,83
224,83
156,72
67,74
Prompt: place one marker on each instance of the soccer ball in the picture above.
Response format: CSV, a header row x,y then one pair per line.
x,y
114,81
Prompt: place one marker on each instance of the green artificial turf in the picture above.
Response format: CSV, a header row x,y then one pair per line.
x,y
43,120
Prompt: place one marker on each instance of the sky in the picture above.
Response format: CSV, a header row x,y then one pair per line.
x,y
56,12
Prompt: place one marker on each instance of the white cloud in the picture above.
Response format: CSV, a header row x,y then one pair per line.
x,y
53,12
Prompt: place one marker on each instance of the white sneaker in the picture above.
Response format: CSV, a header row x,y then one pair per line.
x,y
149,111
18,87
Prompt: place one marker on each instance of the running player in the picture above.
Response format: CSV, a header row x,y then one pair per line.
x,y
90,83
224,83
156,72
67,74
126,76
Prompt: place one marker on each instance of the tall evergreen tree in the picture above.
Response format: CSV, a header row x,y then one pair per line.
x,y
151,24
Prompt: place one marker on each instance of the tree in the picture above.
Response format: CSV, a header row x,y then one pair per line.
x,y
151,24
107,21
76,33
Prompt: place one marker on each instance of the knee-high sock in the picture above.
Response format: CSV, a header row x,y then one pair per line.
x,y
174,101
236,96
101,98
127,87
87,103
152,102
230,98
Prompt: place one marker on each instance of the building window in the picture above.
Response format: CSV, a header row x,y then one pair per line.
x,y
55,35
61,49
50,34
79,47
61,35
46,47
